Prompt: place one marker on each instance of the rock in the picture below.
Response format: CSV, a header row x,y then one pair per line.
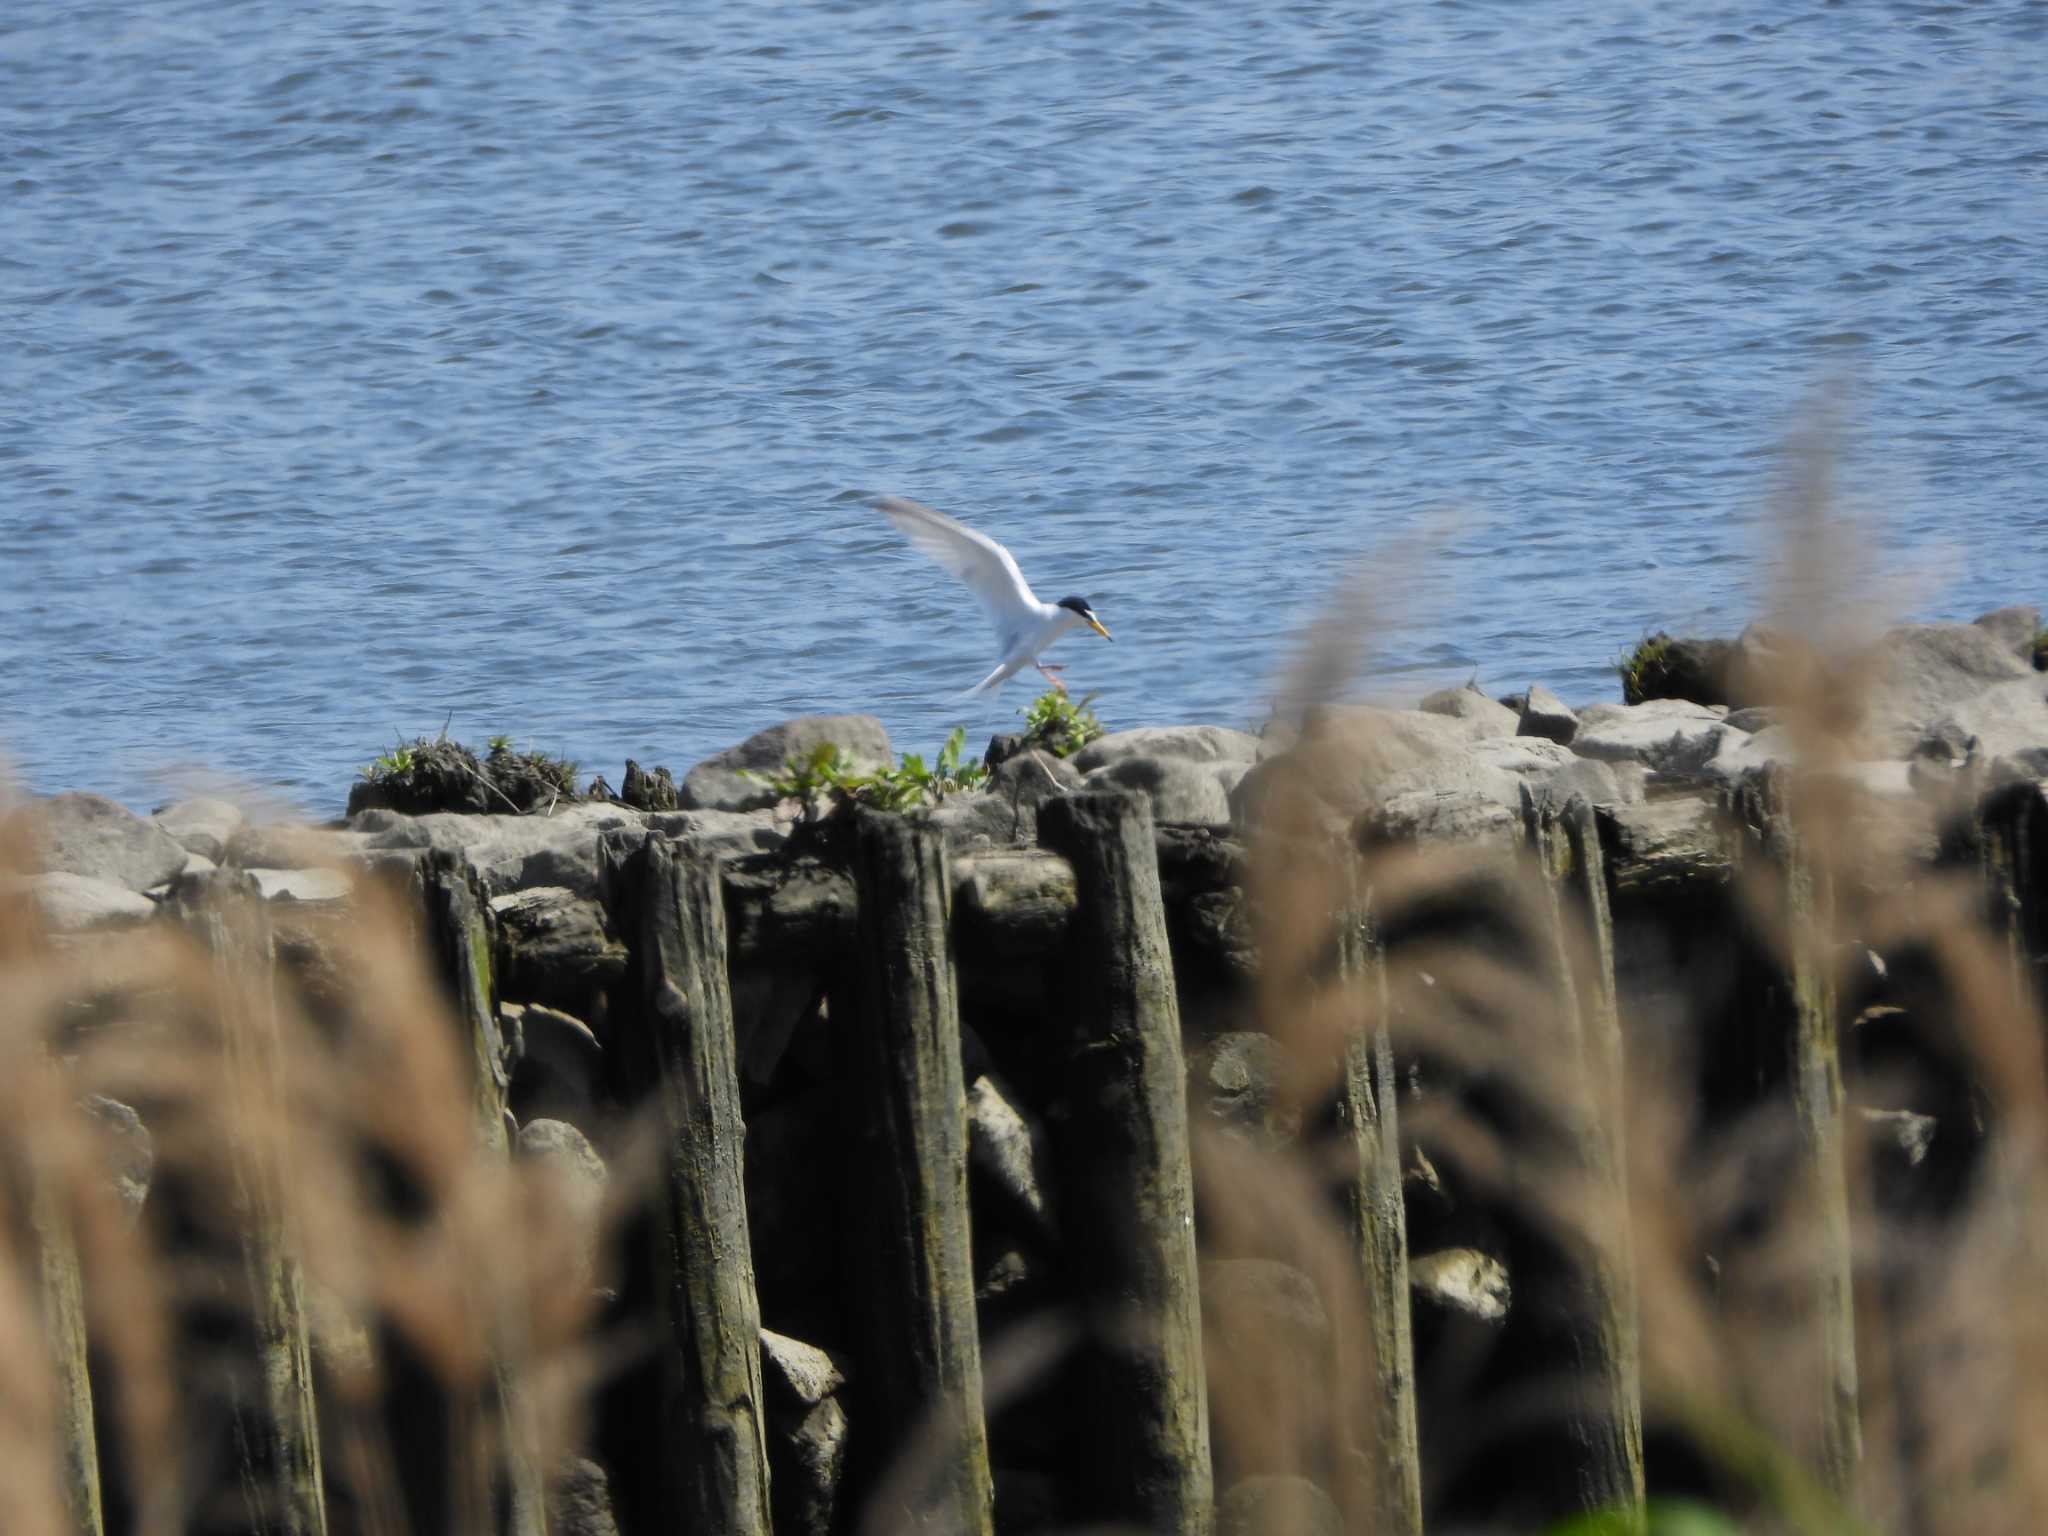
x,y
1547,716
574,1181
300,884
2006,720
1681,844
645,791
1909,1136
1235,1083
1756,717
1468,703
1191,743
728,834
580,1500
1665,735
1353,756
128,1148
1431,816
1737,754
1008,1151
1555,773
1923,672
2016,628
807,1433
200,826
974,820
1012,903
510,852
1025,780
719,783
92,836
1461,1280
796,1374
1663,667
1180,789
293,845
1277,1505
557,1070
79,903
557,947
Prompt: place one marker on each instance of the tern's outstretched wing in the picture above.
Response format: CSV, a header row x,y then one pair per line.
x,y
978,560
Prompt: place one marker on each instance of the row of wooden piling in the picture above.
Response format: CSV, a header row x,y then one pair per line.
x,y
1122,1151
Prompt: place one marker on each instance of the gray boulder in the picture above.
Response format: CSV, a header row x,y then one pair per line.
x,y
572,1179
1235,1083
293,845
1350,757
1008,1151
975,821
556,947
1463,1281
2016,628
90,835
1547,716
301,884
509,853
127,1148
80,903
1922,672
580,1500
557,1065
1024,781
1664,735
1555,773
720,782
201,826
1180,788
1277,1504
729,834
807,1433
1195,743
1468,703
2006,720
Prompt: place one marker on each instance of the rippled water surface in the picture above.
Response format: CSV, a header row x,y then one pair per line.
x,y
368,363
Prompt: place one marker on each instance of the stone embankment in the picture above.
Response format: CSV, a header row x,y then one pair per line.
x,y
1638,815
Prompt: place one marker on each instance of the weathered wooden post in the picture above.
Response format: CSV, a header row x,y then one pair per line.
x,y
458,927
926,1358
63,1315
1816,1092
713,1417
1607,1416
1127,1186
277,1434
1368,1102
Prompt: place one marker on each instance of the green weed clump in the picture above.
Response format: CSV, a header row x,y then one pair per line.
x,y
1642,668
1057,724
826,779
440,774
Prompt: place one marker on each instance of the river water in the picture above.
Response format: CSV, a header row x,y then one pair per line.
x,y
530,367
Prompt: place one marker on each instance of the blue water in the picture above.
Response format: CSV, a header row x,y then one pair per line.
x,y
367,364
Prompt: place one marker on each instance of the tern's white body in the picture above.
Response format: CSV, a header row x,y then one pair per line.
x,y
1024,625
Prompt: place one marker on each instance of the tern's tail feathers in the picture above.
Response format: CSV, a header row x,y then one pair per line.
x,y
993,681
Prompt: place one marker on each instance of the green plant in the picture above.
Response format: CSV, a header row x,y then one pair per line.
x,y
394,764
1059,725
500,745
2041,651
827,776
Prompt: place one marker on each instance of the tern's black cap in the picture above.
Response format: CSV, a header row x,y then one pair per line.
x,y
1080,605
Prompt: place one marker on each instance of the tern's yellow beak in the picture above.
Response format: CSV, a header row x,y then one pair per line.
x,y
1096,624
